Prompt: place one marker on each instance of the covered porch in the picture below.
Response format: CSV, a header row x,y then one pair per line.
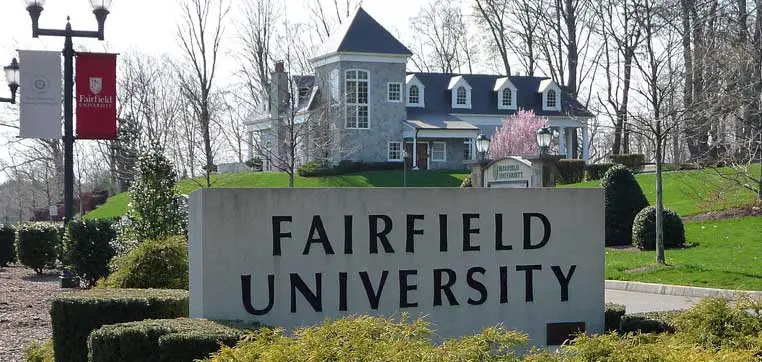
x,y
438,144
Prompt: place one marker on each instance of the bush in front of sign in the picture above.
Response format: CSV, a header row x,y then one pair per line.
x,y
75,315
624,199
88,248
37,246
159,264
7,247
368,338
644,229
612,315
719,322
180,340
570,171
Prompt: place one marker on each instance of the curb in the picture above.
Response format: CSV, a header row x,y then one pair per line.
x,y
678,290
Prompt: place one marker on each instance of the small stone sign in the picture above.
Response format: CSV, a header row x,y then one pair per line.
x,y
464,259
514,172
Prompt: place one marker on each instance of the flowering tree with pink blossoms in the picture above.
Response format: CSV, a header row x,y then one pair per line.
x,y
517,136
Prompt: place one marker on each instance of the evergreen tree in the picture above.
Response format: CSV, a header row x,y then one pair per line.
x,y
624,199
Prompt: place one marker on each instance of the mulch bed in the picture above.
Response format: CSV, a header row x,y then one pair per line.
x,y
24,309
726,214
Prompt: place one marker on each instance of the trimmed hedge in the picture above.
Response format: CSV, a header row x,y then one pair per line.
x,y
157,340
634,161
75,315
7,248
153,264
596,171
37,246
612,316
642,324
313,169
571,171
624,199
644,229
88,248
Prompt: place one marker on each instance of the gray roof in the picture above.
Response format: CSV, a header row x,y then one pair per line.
x,y
438,101
362,34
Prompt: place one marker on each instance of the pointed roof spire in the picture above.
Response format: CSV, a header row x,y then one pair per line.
x,y
362,34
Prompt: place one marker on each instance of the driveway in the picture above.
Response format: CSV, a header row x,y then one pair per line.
x,y
636,302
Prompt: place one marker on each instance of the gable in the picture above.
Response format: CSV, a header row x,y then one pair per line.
x,y
362,34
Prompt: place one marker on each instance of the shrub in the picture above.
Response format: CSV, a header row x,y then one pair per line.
x,y
570,171
255,164
596,171
157,340
37,245
314,169
39,352
154,211
634,162
644,229
7,248
624,199
75,315
364,338
715,323
643,324
612,315
466,182
88,248
153,264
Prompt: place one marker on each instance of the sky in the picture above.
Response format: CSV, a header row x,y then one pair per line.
x,y
148,26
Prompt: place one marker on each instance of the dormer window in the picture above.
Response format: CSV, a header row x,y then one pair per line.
x,y
413,95
551,99
507,97
461,96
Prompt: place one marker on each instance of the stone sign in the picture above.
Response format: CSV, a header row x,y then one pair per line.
x,y
464,259
512,172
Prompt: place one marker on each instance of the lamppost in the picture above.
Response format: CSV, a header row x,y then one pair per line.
x,y
100,10
404,168
544,136
482,146
12,77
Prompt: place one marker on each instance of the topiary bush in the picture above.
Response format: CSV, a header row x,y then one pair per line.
x,y
88,248
644,229
170,340
37,245
75,315
570,171
596,171
7,248
624,199
153,264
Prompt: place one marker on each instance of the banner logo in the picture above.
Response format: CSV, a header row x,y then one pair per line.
x,y
96,85
41,85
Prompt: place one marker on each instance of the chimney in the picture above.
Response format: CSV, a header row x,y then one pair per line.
x,y
280,67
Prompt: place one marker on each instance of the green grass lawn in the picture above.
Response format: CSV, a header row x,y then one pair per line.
x,y
691,192
117,205
728,255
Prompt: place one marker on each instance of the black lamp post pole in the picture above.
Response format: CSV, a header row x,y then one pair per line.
x,y
68,54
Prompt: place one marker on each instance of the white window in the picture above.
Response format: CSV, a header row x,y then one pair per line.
x,y
394,92
461,98
507,97
414,95
357,96
439,151
550,100
468,149
395,151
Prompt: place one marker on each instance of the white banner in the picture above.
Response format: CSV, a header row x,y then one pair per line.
x,y
40,96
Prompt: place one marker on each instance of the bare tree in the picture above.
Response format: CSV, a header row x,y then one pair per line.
x,y
493,15
441,29
200,34
231,124
256,31
326,18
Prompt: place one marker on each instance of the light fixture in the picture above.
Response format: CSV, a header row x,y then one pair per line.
x,y
100,4
544,136
482,144
12,77
39,3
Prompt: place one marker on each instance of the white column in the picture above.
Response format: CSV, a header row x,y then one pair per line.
x,y
561,141
415,150
585,144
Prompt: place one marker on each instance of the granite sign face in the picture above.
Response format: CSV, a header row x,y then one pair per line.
x,y
464,259
512,172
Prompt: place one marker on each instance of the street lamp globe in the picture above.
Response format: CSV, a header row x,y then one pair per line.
x,y
101,4
482,143
39,3
12,73
544,136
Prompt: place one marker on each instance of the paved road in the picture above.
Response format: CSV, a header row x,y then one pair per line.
x,y
645,302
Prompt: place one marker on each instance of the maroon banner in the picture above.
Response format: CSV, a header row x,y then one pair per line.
x,y
96,96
